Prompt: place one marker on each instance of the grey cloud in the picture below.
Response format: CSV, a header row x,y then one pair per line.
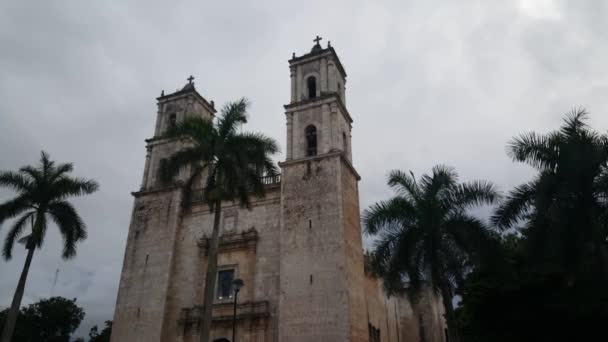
x,y
429,82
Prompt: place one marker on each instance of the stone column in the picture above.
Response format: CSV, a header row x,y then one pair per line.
x,y
144,181
334,127
292,75
326,130
158,120
323,75
289,152
299,83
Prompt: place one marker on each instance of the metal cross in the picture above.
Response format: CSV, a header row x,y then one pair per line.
x,y
318,39
190,79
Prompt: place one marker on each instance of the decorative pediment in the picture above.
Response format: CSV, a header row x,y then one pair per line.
x,y
223,312
246,240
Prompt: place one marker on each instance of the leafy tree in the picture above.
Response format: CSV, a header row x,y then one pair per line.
x,y
564,209
424,233
49,320
232,164
103,336
42,193
552,283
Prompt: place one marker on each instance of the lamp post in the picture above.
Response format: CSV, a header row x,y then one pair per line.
x,y
236,285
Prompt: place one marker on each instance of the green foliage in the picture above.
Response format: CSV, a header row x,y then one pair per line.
x,y
41,194
548,283
231,162
103,336
424,233
49,320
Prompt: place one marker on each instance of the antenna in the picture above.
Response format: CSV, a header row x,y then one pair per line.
x,y
54,282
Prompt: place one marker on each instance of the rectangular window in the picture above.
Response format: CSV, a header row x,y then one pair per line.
x,y
224,284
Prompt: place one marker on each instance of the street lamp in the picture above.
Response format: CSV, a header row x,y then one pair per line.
x,y
236,285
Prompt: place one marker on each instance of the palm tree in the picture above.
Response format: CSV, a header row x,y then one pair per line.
x,y
232,165
424,233
42,193
564,209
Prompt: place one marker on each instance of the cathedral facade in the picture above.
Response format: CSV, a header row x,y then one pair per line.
x,y
298,250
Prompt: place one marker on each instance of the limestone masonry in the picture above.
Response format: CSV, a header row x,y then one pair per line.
x,y
298,250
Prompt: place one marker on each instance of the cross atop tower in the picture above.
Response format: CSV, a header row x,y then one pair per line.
x,y
317,40
190,79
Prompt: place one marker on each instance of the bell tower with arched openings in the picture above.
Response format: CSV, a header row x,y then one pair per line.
x,y
317,106
321,277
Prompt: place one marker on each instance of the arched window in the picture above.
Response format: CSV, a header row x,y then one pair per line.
x,y
311,141
311,83
172,120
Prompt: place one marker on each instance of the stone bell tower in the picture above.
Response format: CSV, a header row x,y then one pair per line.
x,y
321,273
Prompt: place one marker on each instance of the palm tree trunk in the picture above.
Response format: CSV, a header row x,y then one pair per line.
x,y
11,318
211,274
450,316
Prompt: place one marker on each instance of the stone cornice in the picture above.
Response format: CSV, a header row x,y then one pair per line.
x,y
323,156
156,190
246,240
315,54
325,98
186,93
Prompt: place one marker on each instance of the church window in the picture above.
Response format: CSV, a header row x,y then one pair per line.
x,y
311,141
311,83
224,284
172,120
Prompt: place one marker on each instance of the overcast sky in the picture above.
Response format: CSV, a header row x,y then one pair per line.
x,y
428,82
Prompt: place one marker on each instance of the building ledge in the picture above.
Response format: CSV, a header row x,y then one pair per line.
x,y
246,240
336,153
222,312
324,98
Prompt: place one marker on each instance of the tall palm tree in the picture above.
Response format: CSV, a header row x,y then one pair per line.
x,y
564,209
42,193
231,163
424,233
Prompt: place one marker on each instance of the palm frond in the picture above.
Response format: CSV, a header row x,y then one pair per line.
x,y
539,151
14,207
466,195
442,179
73,187
404,183
515,207
70,225
197,128
190,156
232,115
14,233
16,181
574,122
397,211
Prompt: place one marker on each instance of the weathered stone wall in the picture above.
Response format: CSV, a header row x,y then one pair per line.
x,y
145,276
256,263
313,287
353,249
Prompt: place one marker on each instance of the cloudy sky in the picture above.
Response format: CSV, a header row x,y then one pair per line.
x,y
429,82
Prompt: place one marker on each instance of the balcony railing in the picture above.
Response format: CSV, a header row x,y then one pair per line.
x,y
274,180
223,312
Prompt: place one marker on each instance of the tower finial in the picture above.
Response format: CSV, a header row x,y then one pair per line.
x,y
190,79
317,40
